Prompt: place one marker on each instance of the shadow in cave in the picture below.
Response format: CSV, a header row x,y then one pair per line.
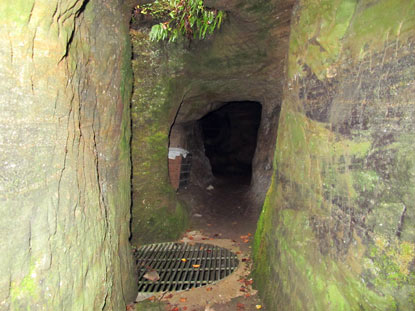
x,y
228,136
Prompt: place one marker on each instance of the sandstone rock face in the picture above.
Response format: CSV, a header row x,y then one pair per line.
x,y
156,213
177,84
243,61
64,155
337,229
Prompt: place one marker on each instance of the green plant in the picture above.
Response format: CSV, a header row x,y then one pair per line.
x,y
189,18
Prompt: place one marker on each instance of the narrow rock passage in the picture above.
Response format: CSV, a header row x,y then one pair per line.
x,y
225,210
226,213
221,216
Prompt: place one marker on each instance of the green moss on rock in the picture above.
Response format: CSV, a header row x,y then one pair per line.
x,y
336,231
391,20
156,213
24,291
317,35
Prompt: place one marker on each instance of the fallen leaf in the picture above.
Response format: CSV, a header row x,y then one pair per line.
x,y
184,259
152,276
183,299
184,308
169,296
258,307
196,266
246,241
175,309
247,295
209,289
240,306
130,307
152,298
249,234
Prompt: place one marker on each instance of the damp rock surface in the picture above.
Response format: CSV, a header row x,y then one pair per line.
x,y
64,155
157,215
337,227
176,84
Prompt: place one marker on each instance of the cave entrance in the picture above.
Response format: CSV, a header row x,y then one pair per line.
x,y
217,148
230,138
221,145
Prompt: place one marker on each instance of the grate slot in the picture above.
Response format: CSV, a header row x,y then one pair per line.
x,y
213,266
175,274
183,277
178,272
172,266
162,260
202,261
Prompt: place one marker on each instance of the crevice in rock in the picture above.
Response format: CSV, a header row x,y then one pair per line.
x,y
401,221
77,14
31,12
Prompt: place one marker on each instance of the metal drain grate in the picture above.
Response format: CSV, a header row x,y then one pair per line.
x,y
183,266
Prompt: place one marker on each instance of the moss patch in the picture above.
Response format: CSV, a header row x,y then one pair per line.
x,y
26,291
156,213
336,231
317,36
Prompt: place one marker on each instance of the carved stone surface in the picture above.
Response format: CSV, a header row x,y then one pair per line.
x,y
64,156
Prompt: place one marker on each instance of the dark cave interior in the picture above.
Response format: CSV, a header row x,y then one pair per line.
x,y
230,137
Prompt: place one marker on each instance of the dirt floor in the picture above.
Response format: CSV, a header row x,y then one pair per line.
x,y
221,215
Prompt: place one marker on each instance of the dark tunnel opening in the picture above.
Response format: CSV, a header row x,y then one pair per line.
x,y
230,138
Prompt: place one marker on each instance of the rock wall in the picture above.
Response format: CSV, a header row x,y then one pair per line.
x,y
181,82
337,228
157,215
243,61
64,155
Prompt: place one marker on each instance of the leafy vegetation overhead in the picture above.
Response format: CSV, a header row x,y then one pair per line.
x,y
189,18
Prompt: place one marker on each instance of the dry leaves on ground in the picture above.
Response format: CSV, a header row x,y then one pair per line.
x,y
152,276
